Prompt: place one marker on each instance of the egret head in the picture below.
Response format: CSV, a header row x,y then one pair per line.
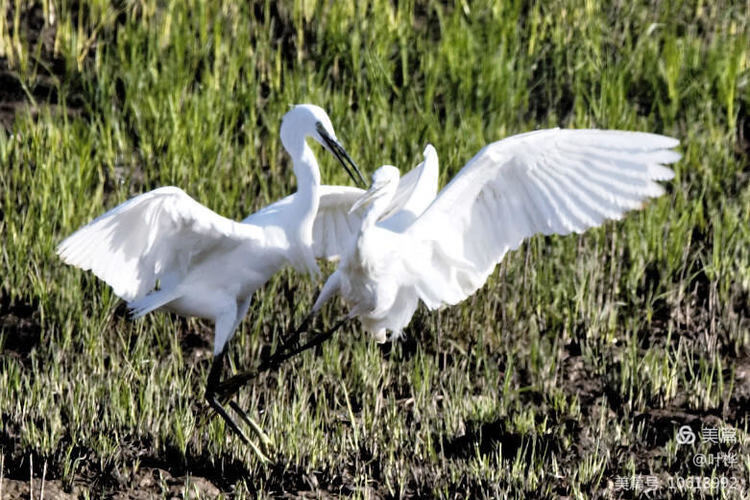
x,y
308,120
383,187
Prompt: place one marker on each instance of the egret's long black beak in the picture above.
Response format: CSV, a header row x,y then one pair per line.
x,y
342,156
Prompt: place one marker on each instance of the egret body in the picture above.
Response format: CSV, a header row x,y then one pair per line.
x,y
164,250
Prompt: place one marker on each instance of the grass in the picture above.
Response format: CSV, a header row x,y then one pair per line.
x,y
572,368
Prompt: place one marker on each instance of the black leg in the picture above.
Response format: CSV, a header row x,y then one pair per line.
x,y
214,379
315,341
214,375
292,338
229,387
212,384
265,441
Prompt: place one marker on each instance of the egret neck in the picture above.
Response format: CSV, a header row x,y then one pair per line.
x,y
305,204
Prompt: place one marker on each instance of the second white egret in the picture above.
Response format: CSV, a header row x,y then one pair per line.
x,y
549,181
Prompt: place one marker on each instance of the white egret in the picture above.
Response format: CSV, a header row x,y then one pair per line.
x,y
164,250
549,181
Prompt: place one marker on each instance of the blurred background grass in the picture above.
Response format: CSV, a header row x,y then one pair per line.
x,y
572,368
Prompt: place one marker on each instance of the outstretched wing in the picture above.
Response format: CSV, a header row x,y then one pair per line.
x,y
549,181
148,238
335,228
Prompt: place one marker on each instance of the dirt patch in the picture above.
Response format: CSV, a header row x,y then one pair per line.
x,y
20,329
739,405
486,437
12,488
39,86
166,472
153,480
149,483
